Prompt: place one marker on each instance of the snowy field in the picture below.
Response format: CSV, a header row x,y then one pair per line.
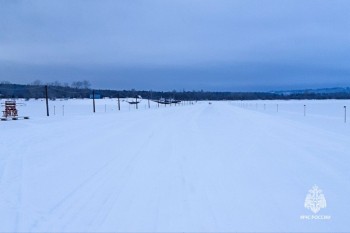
x,y
220,167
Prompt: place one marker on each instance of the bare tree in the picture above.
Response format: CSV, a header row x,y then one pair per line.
x,y
77,84
37,83
86,84
56,84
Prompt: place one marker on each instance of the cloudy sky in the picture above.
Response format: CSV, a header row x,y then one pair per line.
x,y
233,45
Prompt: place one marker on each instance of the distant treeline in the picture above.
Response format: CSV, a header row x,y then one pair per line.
x,y
82,90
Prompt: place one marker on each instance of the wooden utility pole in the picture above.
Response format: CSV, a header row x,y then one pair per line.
x,y
118,102
47,101
344,114
93,101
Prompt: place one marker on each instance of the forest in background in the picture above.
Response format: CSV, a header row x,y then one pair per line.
x,y
82,89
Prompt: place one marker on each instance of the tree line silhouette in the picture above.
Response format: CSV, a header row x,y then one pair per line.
x,y
82,89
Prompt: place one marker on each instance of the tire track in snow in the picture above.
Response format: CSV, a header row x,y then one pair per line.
x,y
98,183
159,155
11,179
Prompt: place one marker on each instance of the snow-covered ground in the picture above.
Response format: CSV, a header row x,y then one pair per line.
x,y
223,167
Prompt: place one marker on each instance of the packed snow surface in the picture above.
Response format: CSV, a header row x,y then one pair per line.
x,y
222,167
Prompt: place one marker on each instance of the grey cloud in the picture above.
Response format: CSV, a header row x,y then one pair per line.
x,y
177,43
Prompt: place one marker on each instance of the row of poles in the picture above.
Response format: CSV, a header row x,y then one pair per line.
x,y
94,103
136,102
277,109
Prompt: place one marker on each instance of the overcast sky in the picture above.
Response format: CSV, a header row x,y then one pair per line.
x,y
248,45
